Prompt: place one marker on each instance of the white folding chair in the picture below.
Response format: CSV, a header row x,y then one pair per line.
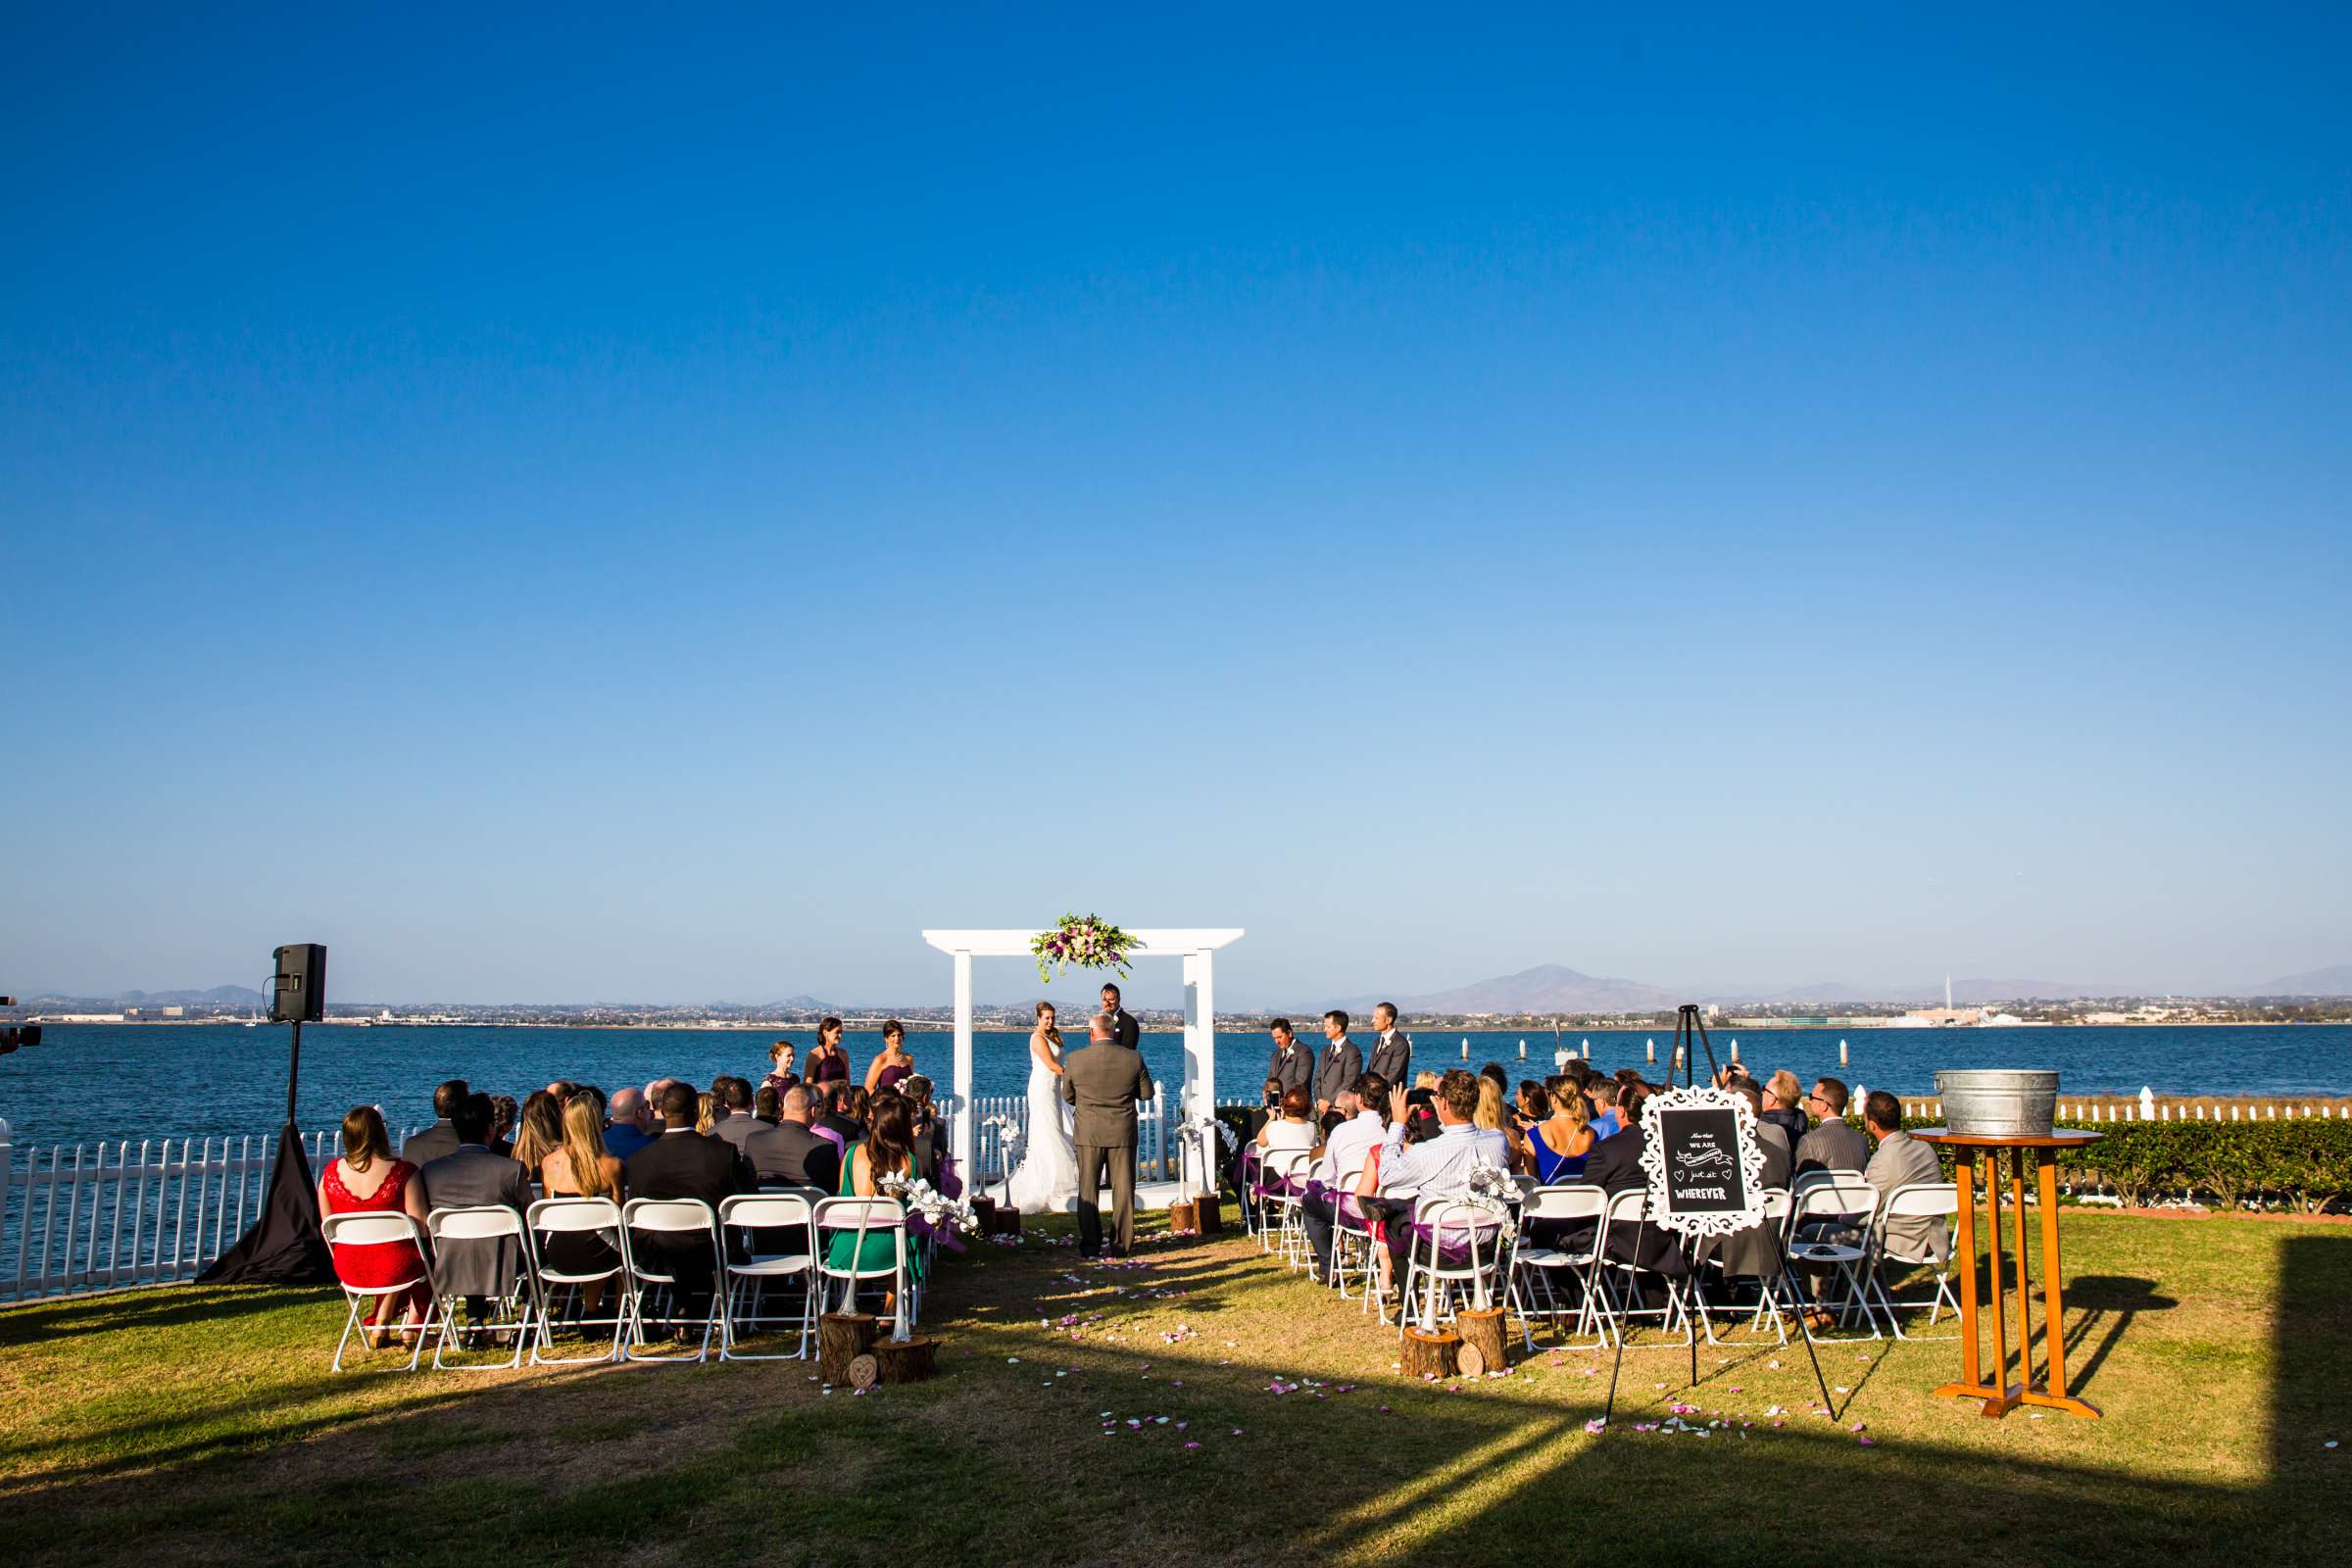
x,y
1912,1201
1822,1213
517,1312
1284,1174
1536,1263
577,1216
1479,1236
380,1227
1777,1205
1615,1285
765,1214
647,1271
1351,1237
862,1217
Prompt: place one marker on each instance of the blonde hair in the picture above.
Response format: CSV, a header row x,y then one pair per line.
x,y
1490,1104
706,1112
583,1146
1570,1101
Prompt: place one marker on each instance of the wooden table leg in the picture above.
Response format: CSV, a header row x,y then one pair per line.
x,y
1964,1171
2053,1305
2024,1298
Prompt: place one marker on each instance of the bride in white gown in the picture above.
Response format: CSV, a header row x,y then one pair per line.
x,y
1047,1182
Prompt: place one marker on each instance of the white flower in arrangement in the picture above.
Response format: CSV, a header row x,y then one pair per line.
x,y
1009,1129
1490,1189
1204,1126
938,1212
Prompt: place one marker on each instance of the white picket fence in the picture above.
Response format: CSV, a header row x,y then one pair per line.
x,y
111,1215
1156,1157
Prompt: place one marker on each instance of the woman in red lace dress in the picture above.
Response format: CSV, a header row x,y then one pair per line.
x,y
369,1180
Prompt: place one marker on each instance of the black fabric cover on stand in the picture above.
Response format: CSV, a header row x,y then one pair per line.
x,y
284,1247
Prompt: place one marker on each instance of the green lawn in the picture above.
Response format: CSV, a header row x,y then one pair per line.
x,y
188,1425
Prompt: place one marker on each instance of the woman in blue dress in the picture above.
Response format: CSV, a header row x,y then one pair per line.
x,y
1560,1142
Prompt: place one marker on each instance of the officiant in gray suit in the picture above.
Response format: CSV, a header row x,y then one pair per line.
x,y
1104,1082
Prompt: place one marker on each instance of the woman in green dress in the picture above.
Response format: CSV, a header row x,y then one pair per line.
x,y
888,1149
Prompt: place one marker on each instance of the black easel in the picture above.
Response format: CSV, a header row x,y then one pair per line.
x,y
1687,1023
284,1247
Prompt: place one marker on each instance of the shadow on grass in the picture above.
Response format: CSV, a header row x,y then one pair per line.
x,y
999,1459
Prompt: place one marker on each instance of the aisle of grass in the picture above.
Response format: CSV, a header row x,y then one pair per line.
x,y
192,1425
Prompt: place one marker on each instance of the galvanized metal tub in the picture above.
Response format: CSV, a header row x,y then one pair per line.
x,y
2002,1102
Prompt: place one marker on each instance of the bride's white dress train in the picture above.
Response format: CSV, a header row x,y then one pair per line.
x,y
1047,1179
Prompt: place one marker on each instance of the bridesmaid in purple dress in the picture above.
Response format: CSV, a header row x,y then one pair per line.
x,y
893,1064
828,1063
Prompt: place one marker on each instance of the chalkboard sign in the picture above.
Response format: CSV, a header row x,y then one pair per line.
x,y
1705,1167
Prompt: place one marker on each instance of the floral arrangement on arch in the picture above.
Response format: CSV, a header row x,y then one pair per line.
x,y
938,1212
1083,941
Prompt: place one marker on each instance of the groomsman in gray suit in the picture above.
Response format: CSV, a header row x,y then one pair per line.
x,y
1103,1081
1292,1066
1339,1065
1392,1052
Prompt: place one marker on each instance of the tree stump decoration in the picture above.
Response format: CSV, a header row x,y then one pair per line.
x,y
904,1360
1482,1335
1424,1355
842,1337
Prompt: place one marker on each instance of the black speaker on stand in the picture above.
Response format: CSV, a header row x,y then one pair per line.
x,y
284,1246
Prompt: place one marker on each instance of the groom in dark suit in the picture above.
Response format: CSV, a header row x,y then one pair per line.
x,y
1103,1081
1126,1031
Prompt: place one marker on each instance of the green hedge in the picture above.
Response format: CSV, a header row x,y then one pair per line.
x,y
2305,1164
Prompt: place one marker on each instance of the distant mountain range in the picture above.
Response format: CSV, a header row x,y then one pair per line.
x,y
1546,987
215,997
2331,982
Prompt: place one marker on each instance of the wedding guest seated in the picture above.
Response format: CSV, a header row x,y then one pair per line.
x,y
1530,1104
538,1130
733,1121
472,1176
441,1138
929,1133
1243,1168
1492,1074
581,1166
1833,1144
707,1111
1784,1107
1614,1166
791,1154
1560,1143
887,1151
1900,1160
681,1164
845,1115
1601,1096
780,1073
1294,1131
893,1064
1438,1168
628,1123
504,1114
1345,1153
1491,1116
766,1103
1754,1253
367,1180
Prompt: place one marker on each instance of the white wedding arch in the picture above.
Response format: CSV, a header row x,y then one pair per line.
x,y
1195,948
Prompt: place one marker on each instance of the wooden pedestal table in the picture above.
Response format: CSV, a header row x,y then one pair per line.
x,y
2000,1396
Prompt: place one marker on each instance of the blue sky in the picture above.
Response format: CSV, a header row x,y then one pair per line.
x,y
603,507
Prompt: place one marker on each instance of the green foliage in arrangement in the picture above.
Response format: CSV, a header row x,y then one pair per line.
x,y
2304,1164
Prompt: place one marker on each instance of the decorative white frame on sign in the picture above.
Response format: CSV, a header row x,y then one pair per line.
x,y
1713,1222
